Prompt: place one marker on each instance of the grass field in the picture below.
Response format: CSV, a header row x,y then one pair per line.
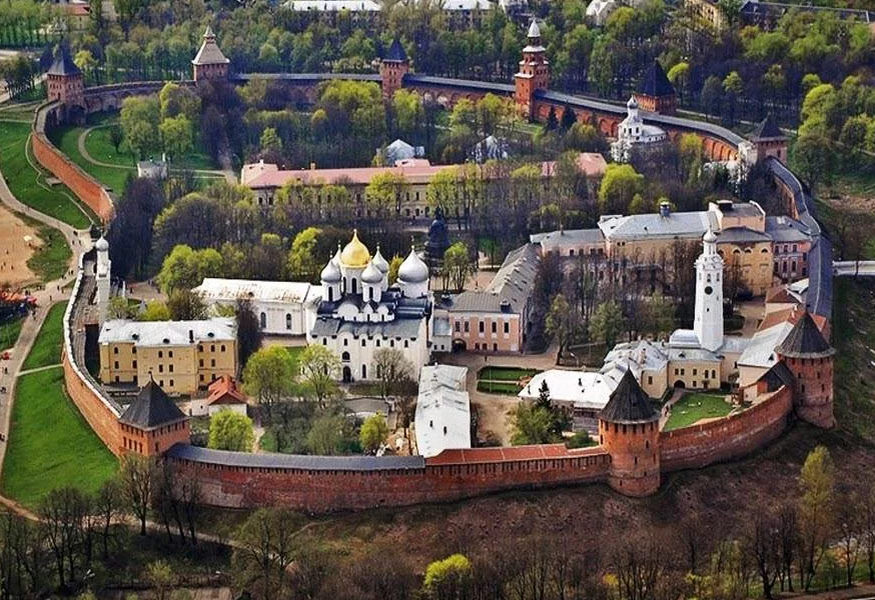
x,y
498,387
67,140
47,346
505,373
695,407
28,184
50,444
50,260
9,333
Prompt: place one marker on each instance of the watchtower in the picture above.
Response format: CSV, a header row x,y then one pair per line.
x,y
393,67
769,141
152,423
209,63
534,73
64,80
655,92
810,358
629,432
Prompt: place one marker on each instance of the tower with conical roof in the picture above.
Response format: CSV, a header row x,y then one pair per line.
x,y
209,63
393,67
708,317
809,357
769,140
629,433
534,73
655,92
152,423
64,80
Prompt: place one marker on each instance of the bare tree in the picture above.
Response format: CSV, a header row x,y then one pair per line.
x,y
266,551
638,562
763,544
108,507
850,527
136,477
788,534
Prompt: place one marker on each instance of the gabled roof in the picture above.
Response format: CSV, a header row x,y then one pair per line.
x,y
152,408
777,377
63,64
805,341
396,52
628,403
767,129
655,83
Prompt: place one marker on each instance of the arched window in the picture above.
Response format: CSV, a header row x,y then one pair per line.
x,y
345,357
364,371
331,294
263,320
354,286
288,321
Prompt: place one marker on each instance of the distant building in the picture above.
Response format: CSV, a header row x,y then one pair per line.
x,y
152,169
209,62
443,410
489,148
496,319
224,394
281,306
598,11
584,394
634,136
399,150
182,356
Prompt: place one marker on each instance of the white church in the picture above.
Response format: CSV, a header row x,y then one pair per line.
x,y
634,134
360,313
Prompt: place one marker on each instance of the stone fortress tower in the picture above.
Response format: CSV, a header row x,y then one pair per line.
x,y
209,63
629,432
393,67
534,73
708,319
104,271
64,84
810,358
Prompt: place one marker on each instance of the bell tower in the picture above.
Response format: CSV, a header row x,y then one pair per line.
x,y
534,73
708,320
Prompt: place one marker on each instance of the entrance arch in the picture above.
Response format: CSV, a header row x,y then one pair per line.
x,y
459,346
347,374
680,384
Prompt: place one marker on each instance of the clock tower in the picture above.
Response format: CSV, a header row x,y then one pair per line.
x,y
708,320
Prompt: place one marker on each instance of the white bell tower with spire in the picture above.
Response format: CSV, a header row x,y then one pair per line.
x,y
103,272
708,320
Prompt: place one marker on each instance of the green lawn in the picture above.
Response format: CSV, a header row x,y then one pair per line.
x,y
28,183
67,140
9,333
50,260
47,346
497,387
695,407
50,444
505,373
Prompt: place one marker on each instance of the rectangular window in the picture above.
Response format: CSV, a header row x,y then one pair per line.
x,y
212,362
115,350
170,368
160,354
170,354
506,327
134,364
466,326
160,368
458,327
494,327
115,365
480,326
650,380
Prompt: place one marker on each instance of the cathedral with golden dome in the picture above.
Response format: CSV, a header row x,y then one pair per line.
x,y
359,312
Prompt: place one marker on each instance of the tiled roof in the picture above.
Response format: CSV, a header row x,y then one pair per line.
x,y
767,129
224,390
628,403
152,408
209,53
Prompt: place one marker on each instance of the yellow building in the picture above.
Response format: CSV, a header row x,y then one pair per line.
x,y
182,356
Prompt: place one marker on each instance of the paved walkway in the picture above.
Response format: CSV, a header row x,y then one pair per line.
x,y
53,292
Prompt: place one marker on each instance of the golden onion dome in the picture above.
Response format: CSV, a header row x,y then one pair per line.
x,y
355,254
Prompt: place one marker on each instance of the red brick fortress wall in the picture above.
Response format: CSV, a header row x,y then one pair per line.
x,y
728,438
100,417
444,478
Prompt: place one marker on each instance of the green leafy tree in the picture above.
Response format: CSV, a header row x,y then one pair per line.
x,y
187,268
326,434
155,311
394,265
448,579
186,305
409,113
231,431
384,193
176,135
531,424
160,576
562,322
303,264
607,323
270,140
320,368
814,158
816,510
373,433
619,185
270,374
139,122
456,266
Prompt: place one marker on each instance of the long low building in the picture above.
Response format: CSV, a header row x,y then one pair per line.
x,y
443,410
182,356
281,306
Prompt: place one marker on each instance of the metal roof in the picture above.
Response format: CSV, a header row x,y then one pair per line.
x,y
167,333
628,403
294,461
152,408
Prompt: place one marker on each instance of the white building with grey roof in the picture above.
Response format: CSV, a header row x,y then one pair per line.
x,y
443,410
282,307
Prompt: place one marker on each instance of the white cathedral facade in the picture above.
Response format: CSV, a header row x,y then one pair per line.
x,y
360,313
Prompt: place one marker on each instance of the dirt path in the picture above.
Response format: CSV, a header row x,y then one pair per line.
x,y
80,144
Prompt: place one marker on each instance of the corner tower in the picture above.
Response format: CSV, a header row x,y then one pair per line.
x,y
769,140
393,67
152,423
64,80
708,320
209,63
810,358
534,73
656,93
629,433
